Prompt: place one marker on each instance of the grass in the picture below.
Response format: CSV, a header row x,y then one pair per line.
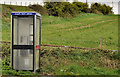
x,y
85,30
68,32
6,19
71,70
64,61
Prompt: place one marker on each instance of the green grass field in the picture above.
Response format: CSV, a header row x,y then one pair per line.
x,y
85,30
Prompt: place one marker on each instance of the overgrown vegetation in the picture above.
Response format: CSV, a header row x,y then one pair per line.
x,y
78,62
66,9
62,9
101,9
64,61
82,7
38,8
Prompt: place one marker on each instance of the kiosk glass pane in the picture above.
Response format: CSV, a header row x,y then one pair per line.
x,y
37,31
23,59
15,28
23,30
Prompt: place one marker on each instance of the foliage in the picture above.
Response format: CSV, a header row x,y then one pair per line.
x,y
62,31
38,8
81,6
104,9
63,9
65,61
66,9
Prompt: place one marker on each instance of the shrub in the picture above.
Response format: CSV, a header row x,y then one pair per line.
x,y
88,10
51,7
104,9
81,6
38,8
63,9
67,10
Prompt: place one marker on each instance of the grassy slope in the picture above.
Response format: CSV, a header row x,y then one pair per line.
x,y
68,32
63,61
78,62
6,19
61,31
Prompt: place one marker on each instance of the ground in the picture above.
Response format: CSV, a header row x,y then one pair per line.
x,y
84,30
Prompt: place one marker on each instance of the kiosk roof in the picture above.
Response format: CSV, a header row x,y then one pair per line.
x,y
25,13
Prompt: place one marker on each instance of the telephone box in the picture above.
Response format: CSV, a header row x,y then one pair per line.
x,y
25,40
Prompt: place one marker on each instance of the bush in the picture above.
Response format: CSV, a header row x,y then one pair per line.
x,y
51,8
81,6
38,8
62,9
88,10
104,9
67,10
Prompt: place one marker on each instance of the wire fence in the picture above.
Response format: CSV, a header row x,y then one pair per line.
x,y
42,3
22,3
70,47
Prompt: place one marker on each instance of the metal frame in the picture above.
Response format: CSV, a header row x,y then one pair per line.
x,y
39,35
39,38
11,41
34,23
25,46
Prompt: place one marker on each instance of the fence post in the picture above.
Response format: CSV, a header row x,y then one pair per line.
x,y
101,43
21,3
86,1
112,4
29,3
25,3
4,2
10,2
16,3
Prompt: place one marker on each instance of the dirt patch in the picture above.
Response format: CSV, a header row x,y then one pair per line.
x,y
64,25
79,27
89,25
